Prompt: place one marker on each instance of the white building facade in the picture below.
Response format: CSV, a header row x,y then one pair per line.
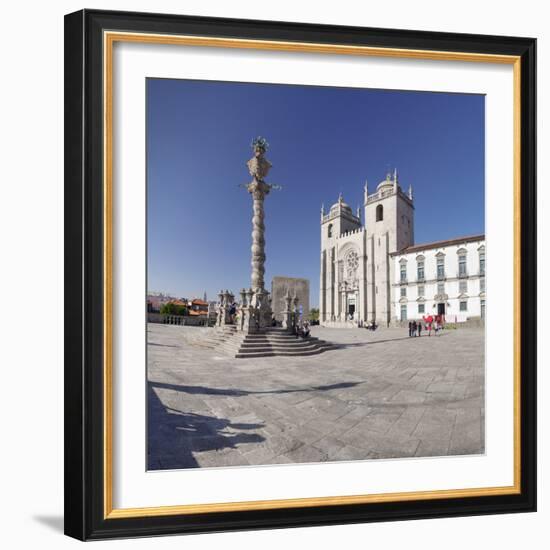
x,y
442,278
369,272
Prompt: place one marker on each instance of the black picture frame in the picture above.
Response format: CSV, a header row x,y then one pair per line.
x,y
84,281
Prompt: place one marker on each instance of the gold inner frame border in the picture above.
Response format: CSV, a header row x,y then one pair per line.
x,y
109,39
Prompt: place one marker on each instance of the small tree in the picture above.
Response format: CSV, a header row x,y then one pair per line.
x,y
173,309
314,314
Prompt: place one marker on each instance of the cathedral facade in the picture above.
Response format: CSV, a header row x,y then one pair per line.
x,y
372,272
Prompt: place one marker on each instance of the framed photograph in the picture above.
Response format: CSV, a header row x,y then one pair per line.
x,y
300,274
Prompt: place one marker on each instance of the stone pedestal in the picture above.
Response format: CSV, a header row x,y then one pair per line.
x,y
247,310
226,299
287,313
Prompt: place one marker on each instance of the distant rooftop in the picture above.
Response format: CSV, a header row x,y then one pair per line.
x,y
439,244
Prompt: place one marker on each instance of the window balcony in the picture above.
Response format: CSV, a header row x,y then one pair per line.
x,y
462,274
441,276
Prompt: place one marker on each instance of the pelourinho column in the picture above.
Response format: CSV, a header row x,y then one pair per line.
x,y
258,167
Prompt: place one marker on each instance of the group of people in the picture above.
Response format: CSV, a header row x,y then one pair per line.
x,y
303,330
428,323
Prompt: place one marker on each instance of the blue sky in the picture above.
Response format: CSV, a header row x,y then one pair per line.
x,y
323,141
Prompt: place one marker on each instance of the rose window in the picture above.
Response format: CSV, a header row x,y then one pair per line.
x,y
352,263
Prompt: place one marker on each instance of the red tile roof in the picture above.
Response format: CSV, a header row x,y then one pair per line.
x,y
178,302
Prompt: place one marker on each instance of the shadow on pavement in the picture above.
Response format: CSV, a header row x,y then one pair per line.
x,y
232,392
173,436
371,342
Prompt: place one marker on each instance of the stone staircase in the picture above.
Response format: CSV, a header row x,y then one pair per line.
x,y
273,342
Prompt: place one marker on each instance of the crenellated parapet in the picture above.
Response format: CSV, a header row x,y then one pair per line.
x,y
352,232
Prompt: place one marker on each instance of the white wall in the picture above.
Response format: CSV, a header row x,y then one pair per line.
x,y
472,296
31,229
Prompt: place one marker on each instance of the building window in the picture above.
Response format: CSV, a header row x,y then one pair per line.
x,y
462,266
463,287
421,308
441,268
463,305
482,263
379,213
441,288
403,312
329,230
403,291
483,309
421,290
482,285
403,272
420,271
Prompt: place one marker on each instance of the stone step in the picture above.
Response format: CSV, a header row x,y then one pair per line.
x,y
276,338
304,346
277,353
275,341
289,345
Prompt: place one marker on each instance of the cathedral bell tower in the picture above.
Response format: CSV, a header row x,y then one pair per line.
x,y
389,220
339,220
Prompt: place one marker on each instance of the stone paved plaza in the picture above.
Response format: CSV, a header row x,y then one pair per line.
x,y
379,395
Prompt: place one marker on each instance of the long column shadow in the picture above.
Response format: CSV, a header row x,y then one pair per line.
x,y
370,343
233,392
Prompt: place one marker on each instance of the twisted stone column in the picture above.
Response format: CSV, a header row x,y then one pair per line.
x,y
258,167
259,190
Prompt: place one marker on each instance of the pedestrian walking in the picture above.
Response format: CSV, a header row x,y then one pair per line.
x,y
410,328
419,328
414,328
232,312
